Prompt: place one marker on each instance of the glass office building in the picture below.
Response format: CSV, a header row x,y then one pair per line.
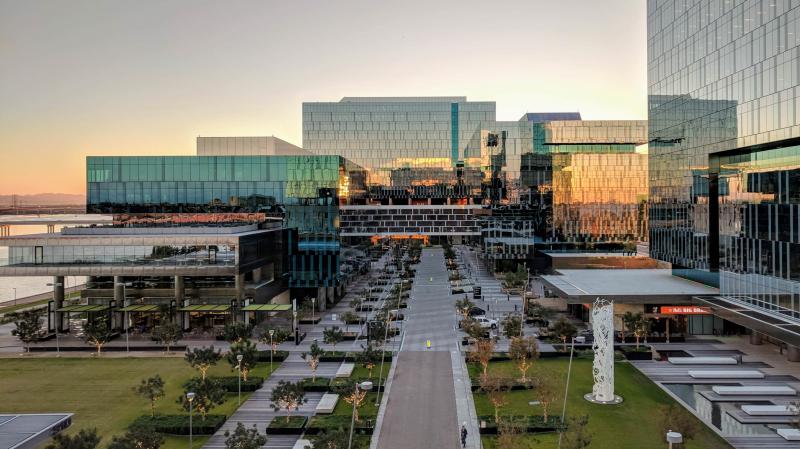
x,y
444,166
724,115
302,191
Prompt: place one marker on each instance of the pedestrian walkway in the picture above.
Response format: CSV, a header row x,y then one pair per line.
x,y
427,402
258,407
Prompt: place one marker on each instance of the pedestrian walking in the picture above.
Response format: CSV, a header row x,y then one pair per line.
x,y
464,434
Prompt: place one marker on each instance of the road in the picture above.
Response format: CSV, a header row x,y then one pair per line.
x,y
421,409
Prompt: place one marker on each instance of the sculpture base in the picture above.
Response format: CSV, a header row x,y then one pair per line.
x,y
590,397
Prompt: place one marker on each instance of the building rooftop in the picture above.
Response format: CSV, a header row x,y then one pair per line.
x,y
402,99
632,286
539,117
30,430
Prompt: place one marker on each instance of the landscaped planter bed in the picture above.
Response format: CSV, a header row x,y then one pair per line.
x,y
279,426
644,353
231,383
314,320
535,424
320,424
320,384
516,386
179,424
279,356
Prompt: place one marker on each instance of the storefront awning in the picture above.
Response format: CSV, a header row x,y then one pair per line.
x,y
205,308
147,308
83,308
267,308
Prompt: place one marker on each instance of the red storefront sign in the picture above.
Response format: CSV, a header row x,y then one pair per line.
x,y
685,310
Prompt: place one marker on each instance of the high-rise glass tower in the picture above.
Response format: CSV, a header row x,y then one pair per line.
x,y
724,118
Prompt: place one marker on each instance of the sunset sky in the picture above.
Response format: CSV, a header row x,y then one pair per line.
x,y
84,78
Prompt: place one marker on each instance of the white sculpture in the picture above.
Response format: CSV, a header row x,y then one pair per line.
x,y
602,320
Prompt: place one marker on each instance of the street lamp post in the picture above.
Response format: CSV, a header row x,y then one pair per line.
x,y
674,438
15,295
239,358
190,396
566,392
271,348
313,307
58,342
363,386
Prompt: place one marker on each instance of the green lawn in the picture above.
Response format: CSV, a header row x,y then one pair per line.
x,y
632,424
100,391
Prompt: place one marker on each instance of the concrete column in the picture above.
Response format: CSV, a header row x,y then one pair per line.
x,y
185,315
257,275
756,338
792,353
239,286
58,301
180,290
120,299
322,299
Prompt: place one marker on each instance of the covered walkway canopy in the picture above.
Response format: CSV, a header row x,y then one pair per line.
x,y
267,308
144,308
635,286
205,308
80,308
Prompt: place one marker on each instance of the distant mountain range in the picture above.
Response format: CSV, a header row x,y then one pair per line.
x,y
44,199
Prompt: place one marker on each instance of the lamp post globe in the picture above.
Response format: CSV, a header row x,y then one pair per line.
x,y
190,397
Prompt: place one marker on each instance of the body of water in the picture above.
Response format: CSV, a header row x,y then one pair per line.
x,y
30,285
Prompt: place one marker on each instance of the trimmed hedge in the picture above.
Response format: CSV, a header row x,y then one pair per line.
x,y
533,423
321,384
179,424
279,426
279,356
324,423
231,383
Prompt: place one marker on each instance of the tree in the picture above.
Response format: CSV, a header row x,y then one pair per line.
x,y
637,324
244,438
473,329
288,396
97,332
547,392
348,317
28,327
354,396
676,418
167,334
577,435
369,357
482,352
247,349
312,357
512,325
495,388
138,437
331,439
523,350
202,359
209,393
333,335
279,335
463,306
510,435
516,279
84,439
151,389
236,332
564,329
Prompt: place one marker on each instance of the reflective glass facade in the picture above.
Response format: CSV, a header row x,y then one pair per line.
x,y
531,178
724,116
304,190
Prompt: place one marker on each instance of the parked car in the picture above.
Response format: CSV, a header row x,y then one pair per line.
x,y
486,323
476,311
